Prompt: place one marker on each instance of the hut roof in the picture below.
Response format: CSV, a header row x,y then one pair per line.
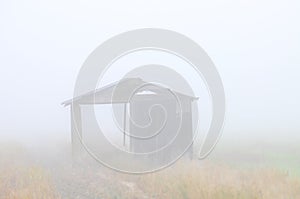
x,y
122,91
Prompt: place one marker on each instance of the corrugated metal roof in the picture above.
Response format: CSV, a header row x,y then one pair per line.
x,y
121,92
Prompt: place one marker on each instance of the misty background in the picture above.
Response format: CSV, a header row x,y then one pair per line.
x,y
255,46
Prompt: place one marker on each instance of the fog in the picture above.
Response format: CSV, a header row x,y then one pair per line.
x,y
255,46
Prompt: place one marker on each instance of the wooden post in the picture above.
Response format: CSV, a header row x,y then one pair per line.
x,y
124,123
76,128
191,130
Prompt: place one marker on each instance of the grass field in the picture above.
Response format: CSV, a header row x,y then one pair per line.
x,y
26,176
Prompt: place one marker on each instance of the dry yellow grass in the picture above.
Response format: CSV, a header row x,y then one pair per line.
x,y
26,183
196,181
21,178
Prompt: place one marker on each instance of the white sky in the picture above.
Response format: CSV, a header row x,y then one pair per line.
x,y
254,44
